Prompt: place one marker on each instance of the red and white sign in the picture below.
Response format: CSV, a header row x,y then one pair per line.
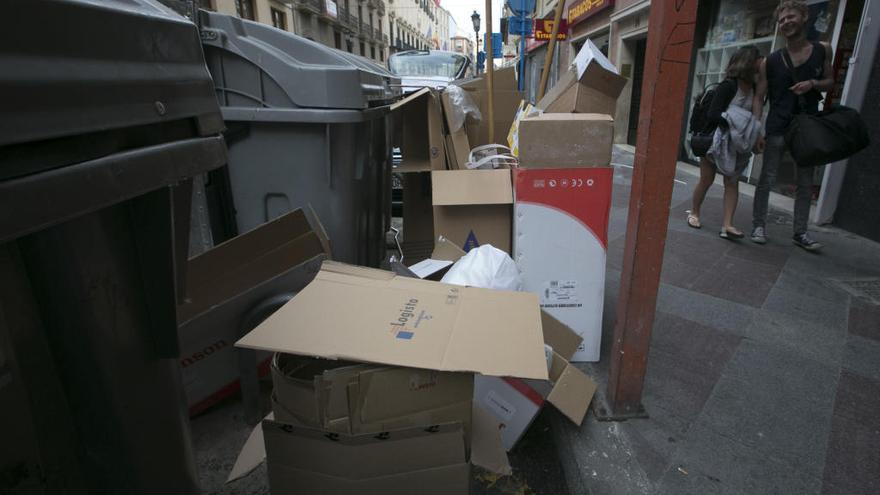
x,y
544,30
560,242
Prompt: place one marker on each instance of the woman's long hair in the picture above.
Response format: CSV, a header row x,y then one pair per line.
x,y
742,63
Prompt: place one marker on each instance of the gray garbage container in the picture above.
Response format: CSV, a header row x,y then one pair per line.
x,y
307,125
108,112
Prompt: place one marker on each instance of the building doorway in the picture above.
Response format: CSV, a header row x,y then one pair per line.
x,y
638,71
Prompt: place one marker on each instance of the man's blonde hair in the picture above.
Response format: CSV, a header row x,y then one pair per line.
x,y
798,5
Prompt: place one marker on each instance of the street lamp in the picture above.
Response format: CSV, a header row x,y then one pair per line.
x,y
475,17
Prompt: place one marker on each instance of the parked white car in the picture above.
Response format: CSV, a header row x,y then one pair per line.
x,y
427,68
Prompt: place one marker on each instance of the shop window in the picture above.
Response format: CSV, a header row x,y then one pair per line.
x,y
279,19
245,9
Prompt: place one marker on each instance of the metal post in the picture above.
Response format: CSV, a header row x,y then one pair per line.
x,y
667,64
490,71
521,85
551,48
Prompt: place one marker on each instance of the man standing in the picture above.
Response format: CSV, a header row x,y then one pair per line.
x,y
812,66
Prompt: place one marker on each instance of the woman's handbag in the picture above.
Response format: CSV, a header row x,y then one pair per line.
x,y
835,133
701,142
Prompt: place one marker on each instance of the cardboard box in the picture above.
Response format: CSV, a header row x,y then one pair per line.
x,y
515,403
420,137
473,207
303,460
373,316
225,283
507,99
591,85
360,398
560,242
563,140
418,217
457,144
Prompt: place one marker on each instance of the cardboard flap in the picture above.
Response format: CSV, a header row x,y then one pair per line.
x,y
407,322
446,250
356,271
572,393
390,393
471,187
409,99
252,454
559,336
422,143
487,450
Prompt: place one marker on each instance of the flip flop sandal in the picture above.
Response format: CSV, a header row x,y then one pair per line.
x,y
694,221
725,234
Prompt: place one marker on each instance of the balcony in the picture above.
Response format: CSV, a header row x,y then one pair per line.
x,y
314,6
377,33
380,7
366,30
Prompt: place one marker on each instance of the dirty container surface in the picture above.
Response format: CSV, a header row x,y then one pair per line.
x,y
307,125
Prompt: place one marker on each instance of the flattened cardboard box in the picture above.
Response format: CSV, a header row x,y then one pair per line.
x,y
473,207
561,237
225,282
418,217
515,403
591,85
507,99
563,140
303,460
373,316
420,138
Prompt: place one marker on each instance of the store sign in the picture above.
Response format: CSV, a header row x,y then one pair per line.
x,y
544,29
583,9
330,8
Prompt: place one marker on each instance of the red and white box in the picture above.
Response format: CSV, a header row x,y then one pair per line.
x,y
560,243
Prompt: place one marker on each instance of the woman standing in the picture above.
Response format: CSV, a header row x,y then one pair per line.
x,y
735,119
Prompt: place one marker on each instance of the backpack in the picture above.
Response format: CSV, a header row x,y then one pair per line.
x,y
700,114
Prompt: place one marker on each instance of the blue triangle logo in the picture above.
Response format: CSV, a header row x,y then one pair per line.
x,y
471,242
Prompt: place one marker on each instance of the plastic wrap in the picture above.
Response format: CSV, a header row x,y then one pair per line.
x,y
462,106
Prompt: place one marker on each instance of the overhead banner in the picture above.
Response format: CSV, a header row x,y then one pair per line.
x,y
583,9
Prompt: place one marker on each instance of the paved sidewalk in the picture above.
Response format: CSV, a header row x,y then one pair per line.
x,y
764,369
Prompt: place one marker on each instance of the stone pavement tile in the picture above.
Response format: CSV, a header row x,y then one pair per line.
x,y
770,254
738,280
827,264
862,356
712,213
813,286
709,463
853,462
791,334
775,403
864,320
807,308
701,308
653,445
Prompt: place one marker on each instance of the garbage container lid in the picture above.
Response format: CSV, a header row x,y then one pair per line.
x,y
81,66
258,66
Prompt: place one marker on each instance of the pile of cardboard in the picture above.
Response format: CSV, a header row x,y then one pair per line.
x,y
440,196
563,196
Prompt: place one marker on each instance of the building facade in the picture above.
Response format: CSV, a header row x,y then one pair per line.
x,y
412,24
355,26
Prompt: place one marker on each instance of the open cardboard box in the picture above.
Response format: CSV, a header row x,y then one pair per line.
x,y
473,207
420,132
457,144
226,282
515,403
445,254
591,85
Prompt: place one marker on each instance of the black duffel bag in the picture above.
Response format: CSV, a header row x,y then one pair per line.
x,y
835,133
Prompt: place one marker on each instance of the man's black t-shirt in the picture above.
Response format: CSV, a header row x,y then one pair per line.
x,y
783,102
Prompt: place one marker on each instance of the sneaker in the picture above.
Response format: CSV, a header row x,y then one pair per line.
x,y
758,235
804,241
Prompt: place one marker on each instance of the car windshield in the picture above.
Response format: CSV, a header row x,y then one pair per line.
x,y
426,64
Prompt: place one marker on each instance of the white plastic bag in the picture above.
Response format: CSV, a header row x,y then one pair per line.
x,y
491,156
486,267
461,105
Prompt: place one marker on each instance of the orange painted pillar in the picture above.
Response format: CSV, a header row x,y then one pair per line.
x,y
667,65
